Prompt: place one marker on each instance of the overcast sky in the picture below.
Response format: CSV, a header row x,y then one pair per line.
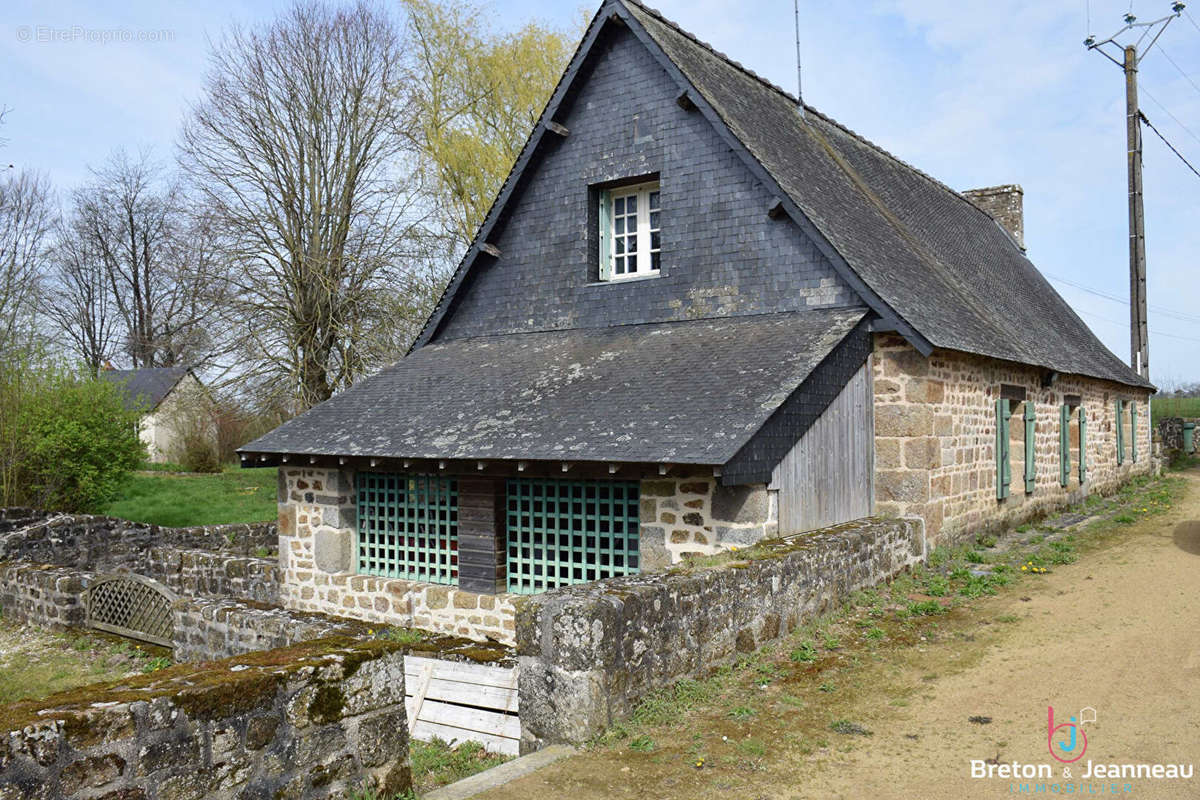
x,y
973,92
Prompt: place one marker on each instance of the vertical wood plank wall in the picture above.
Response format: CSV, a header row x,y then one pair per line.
x,y
827,478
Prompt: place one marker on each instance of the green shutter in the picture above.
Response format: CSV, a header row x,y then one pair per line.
x,y
1120,432
1064,445
1082,446
1003,462
604,220
1133,430
1030,446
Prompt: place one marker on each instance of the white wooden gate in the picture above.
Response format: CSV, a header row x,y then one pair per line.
x,y
459,702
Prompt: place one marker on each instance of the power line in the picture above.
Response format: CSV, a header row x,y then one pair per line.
x,y
1168,144
1103,318
1166,312
1186,77
1167,111
1188,14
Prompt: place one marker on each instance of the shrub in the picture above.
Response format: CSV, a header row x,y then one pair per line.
x,y
192,421
197,453
67,442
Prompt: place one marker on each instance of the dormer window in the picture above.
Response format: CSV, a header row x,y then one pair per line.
x,y
629,231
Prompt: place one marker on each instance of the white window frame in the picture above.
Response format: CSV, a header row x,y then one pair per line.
x,y
644,260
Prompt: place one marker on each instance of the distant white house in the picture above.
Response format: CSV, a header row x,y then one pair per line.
x,y
170,397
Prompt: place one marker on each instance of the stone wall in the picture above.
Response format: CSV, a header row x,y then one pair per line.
x,y
317,519
692,514
200,573
47,596
935,439
106,544
1005,204
318,720
206,629
587,653
1170,431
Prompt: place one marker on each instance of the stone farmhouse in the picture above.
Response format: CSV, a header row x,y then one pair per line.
x,y
696,317
167,396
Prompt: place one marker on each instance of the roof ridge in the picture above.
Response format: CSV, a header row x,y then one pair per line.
x,y
658,15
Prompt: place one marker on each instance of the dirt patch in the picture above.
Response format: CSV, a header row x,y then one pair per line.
x,y
1114,631
1187,536
35,663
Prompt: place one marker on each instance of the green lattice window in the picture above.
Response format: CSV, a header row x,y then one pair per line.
x,y
563,532
408,526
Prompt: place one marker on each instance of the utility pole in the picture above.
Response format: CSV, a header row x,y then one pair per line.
x,y
1139,336
1139,341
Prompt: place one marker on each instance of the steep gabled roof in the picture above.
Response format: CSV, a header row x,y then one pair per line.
x,y
691,392
925,259
145,388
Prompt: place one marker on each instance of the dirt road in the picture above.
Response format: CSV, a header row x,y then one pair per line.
x,y
1118,631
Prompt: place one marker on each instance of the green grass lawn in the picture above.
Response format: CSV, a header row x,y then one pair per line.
x,y
1161,407
35,663
235,495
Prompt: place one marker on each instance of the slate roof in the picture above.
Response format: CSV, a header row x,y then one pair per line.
x,y
920,254
679,392
148,386
941,264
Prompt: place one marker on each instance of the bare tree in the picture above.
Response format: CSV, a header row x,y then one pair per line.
x,y
26,216
298,149
81,307
131,219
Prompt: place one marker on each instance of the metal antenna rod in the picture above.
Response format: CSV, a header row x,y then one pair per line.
x,y
799,80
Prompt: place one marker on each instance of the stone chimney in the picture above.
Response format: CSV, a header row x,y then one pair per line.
x,y
1005,204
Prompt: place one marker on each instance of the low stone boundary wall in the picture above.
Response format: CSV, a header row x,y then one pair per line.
x,y
48,596
588,653
313,721
206,630
200,573
107,544
1170,430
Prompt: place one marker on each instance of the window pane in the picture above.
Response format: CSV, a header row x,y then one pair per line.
x,y
619,205
620,244
632,204
654,220
654,240
632,240
620,225
654,261
653,201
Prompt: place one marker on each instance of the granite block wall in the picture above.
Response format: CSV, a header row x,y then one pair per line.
x,y
317,530
318,720
207,629
690,513
588,653
43,595
107,544
935,439
202,573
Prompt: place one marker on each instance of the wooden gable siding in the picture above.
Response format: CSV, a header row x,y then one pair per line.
x,y
722,254
827,477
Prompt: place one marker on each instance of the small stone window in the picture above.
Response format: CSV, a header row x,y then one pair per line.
x,y
630,227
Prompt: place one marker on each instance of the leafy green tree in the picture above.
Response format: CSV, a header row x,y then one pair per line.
x,y
476,96
67,441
